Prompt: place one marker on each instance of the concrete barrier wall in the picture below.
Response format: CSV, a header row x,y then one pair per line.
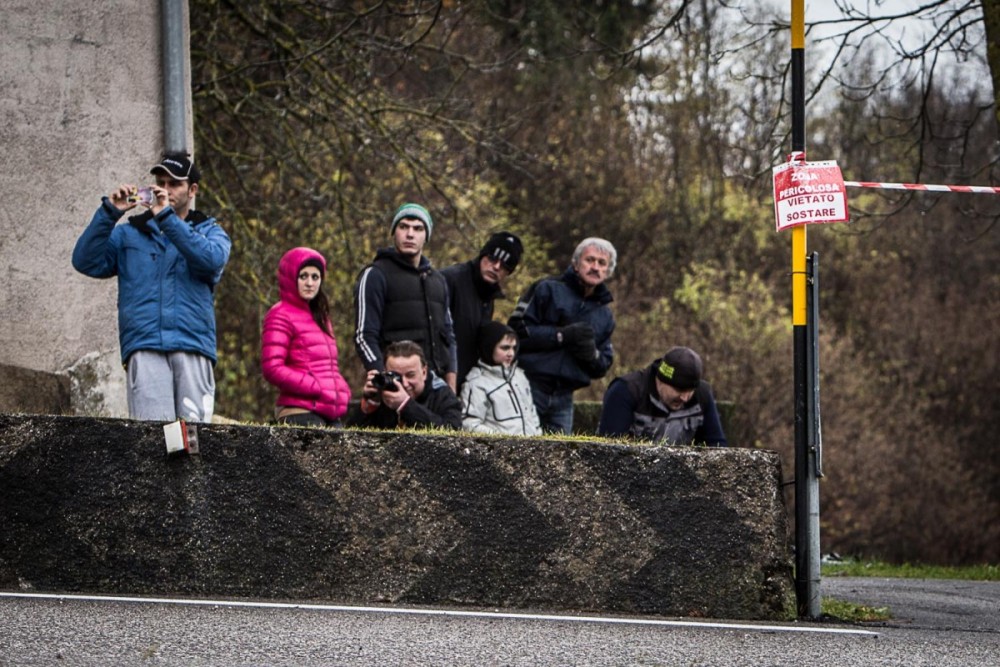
x,y
371,517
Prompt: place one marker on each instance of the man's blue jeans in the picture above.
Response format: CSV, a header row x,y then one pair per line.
x,y
555,411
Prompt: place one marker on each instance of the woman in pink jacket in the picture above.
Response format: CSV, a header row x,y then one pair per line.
x,y
298,350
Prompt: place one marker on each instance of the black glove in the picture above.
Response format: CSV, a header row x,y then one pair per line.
x,y
582,346
584,351
593,366
577,335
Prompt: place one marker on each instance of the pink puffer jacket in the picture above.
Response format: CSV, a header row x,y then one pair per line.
x,y
296,355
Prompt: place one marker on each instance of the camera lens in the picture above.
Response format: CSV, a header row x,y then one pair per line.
x,y
386,380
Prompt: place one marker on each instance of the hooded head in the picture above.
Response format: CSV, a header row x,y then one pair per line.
x,y
288,271
488,336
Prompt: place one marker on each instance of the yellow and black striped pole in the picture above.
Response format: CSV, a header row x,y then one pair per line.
x,y
807,557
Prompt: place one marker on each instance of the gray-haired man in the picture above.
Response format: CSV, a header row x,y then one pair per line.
x,y
564,326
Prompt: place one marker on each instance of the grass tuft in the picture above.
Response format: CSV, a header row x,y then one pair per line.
x,y
857,568
849,612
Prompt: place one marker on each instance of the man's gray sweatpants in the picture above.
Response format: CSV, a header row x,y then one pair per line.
x,y
164,386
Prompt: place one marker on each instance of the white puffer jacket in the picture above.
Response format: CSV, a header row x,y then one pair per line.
x,y
498,400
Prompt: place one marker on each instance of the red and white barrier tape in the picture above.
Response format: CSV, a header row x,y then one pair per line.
x,y
921,186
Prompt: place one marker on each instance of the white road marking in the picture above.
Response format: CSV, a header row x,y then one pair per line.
x,y
623,620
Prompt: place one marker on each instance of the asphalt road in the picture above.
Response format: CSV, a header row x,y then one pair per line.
x,y
940,623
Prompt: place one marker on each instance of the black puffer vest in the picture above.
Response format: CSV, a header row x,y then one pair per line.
x,y
416,307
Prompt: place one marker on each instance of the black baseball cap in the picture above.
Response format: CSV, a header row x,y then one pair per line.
x,y
178,166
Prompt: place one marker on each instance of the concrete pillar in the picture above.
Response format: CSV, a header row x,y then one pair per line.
x,y
81,108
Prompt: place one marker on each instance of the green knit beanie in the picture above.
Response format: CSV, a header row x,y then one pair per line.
x,y
415,211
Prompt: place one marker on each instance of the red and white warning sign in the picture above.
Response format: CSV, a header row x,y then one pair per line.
x,y
808,192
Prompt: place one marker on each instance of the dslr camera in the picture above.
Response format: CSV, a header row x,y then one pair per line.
x,y
387,381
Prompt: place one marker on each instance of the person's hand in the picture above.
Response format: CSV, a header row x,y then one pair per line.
x,y
592,364
585,350
119,198
578,339
571,333
369,391
394,399
162,199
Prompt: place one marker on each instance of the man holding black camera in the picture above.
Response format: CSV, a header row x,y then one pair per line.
x,y
407,393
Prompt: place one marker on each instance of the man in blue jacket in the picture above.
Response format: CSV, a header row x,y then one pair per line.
x,y
168,260
564,328
666,402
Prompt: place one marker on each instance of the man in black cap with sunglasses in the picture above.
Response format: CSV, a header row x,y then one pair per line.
x,y
168,260
666,402
473,286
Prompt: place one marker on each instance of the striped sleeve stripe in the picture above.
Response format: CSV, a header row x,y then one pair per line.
x,y
364,348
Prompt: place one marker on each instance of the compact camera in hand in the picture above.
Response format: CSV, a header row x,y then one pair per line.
x,y
387,381
144,196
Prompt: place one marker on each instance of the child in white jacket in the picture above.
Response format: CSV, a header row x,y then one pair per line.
x,y
496,395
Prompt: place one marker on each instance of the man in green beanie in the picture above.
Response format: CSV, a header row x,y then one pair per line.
x,y
400,296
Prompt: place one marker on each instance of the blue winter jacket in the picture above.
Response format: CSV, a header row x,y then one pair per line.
x,y
167,271
549,305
